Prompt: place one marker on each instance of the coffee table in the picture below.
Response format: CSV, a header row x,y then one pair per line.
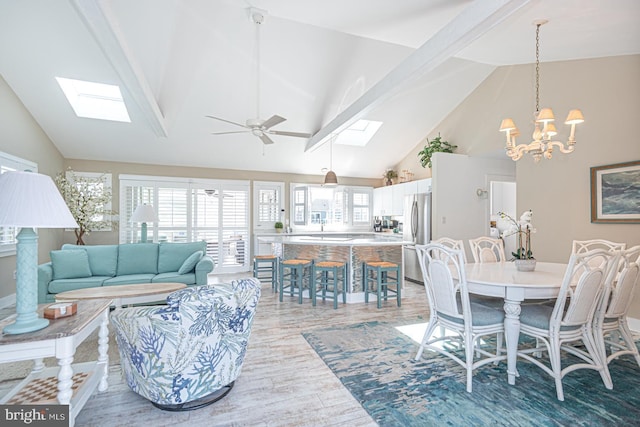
x,y
123,294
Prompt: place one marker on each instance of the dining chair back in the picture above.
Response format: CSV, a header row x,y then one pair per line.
x,y
582,246
451,308
610,326
453,244
570,319
487,249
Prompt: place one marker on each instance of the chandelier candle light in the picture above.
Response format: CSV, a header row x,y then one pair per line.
x,y
542,145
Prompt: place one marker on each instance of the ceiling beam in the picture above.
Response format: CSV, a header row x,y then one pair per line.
x,y
100,22
474,21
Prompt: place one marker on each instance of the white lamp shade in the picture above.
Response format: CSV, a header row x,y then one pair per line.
x,y
144,213
29,199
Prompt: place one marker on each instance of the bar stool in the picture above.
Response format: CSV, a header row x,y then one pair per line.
x,y
377,272
265,267
332,278
292,275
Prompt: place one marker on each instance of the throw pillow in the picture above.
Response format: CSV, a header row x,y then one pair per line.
x,y
70,264
190,263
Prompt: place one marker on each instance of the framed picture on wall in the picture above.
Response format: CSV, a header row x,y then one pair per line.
x,y
615,193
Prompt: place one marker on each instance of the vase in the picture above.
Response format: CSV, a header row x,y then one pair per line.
x,y
525,264
389,182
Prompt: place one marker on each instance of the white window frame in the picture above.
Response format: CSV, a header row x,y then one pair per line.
x,y
347,224
192,185
13,163
278,187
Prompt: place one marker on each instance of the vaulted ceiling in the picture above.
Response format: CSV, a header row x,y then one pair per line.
x,y
323,63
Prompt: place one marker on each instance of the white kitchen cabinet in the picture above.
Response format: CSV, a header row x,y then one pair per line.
x,y
383,201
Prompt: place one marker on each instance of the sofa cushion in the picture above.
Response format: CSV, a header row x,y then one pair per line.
x,y
70,264
189,264
63,285
137,258
103,259
187,279
128,279
171,256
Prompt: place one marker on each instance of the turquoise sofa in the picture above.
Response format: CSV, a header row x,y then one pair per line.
x,y
77,267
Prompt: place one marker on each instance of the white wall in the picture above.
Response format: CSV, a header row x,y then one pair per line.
x,y
21,136
458,212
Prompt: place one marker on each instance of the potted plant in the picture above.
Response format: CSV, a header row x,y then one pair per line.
x,y
86,201
278,226
389,174
437,145
523,256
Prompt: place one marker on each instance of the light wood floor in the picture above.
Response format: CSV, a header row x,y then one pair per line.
x,y
283,381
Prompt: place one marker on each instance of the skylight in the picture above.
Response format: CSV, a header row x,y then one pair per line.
x,y
359,133
95,100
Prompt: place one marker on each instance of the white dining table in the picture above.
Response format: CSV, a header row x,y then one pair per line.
x,y
501,279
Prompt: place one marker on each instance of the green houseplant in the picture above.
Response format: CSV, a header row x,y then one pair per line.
x,y
436,145
278,226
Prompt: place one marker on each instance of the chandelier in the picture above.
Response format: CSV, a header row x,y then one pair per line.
x,y
544,130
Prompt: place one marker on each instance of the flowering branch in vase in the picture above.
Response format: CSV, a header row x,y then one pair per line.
x,y
523,229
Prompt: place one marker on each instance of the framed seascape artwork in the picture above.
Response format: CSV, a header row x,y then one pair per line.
x,y
615,193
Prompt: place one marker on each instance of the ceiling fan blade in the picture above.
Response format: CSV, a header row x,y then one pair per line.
x,y
266,139
272,121
226,133
228,121
285,133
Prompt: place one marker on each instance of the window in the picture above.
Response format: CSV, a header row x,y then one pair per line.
x,y
299,202
268,204
216,211
94,100
10,163
361,203
341,207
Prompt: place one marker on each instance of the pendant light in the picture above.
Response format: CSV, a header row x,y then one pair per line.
x,y
330,178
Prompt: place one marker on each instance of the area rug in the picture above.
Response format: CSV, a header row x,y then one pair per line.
x,y
374,361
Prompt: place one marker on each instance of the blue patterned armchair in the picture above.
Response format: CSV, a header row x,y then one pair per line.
x,y
187,354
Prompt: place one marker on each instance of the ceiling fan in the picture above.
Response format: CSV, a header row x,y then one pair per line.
x,y
257,126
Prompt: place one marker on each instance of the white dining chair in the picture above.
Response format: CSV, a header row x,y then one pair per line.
x,y
570,319
450,307
487,249
610,327
453,244
582,246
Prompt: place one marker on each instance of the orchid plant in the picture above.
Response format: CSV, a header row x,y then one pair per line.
x,y
523,229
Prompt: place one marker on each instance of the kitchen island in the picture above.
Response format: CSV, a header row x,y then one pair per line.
x,y
352,248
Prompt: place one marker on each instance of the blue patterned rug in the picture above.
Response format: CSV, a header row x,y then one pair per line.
x,y
374,361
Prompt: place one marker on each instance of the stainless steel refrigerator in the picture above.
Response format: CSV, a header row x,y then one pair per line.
x,y
416,229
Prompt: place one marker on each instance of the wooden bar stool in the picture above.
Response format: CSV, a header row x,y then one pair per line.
x,y
292,275
332,276
265,268
381,275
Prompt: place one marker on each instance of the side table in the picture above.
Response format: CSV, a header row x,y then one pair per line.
x,y
74,383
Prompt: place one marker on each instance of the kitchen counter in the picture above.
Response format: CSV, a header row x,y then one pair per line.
x,y
352,248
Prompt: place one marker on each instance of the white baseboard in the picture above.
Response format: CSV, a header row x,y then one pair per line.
x,y
634,325
8,301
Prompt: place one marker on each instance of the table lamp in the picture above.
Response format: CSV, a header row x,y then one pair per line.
x,y
144,213
30,200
